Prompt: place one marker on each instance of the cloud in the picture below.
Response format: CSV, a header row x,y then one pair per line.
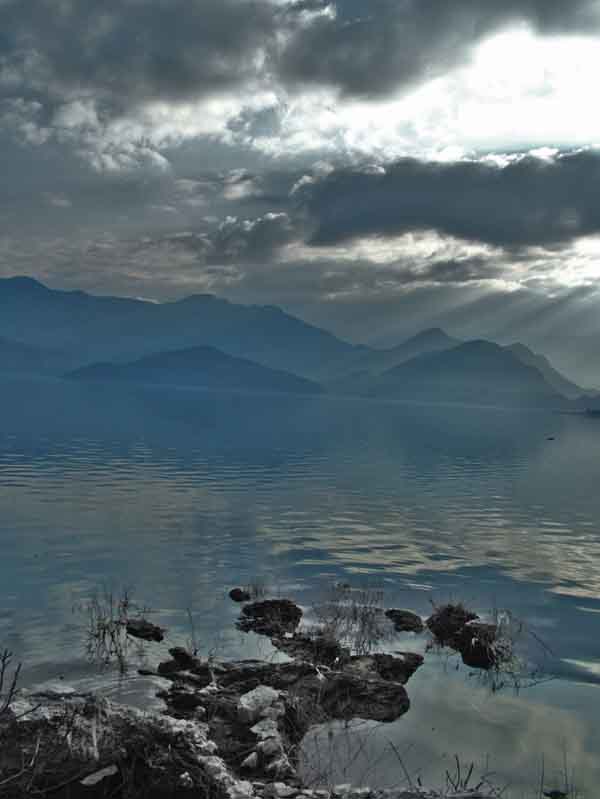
x,y
530,201
375,48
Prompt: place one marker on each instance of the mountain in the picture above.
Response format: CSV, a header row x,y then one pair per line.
x,y
552,376
477,372
375,361
93,328
202,367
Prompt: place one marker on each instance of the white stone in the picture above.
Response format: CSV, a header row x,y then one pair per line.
x,y
279,790
252,704
241,790
266,728
251,762
270,747
98,776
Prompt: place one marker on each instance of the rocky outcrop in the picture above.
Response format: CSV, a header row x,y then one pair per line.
x,y
258,713
82,746
477,643
272,617
405,621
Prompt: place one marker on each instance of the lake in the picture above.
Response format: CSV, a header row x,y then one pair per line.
x,y
181,495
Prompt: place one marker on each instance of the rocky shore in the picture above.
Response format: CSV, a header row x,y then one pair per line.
x,y
231,730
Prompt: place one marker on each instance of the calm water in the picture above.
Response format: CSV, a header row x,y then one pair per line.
x,y
182,495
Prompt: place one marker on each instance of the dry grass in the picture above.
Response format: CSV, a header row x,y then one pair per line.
x,y
353,617
107,613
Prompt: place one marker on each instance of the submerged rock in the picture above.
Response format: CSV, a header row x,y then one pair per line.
x,y
405,621
239,595
272,617
140,628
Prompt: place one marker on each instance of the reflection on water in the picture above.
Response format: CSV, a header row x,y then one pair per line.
x,y
182,494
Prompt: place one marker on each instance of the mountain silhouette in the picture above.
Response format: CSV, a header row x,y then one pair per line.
x,y
202,367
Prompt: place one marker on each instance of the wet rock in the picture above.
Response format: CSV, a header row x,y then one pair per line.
x,y
239,595
272,617
447,623
145,630
398,668
316,648
405,621
477,645
347,696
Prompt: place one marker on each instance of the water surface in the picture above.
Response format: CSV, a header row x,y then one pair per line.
x,y
182,494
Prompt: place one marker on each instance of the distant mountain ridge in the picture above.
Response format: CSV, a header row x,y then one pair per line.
x,y
476,372
201,367
119,329
48,331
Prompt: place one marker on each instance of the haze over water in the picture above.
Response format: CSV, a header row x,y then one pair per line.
x,y
182,494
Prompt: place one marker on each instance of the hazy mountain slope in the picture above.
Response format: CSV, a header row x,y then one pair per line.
x,y
372,362
204,367
117,329
552,376
477,372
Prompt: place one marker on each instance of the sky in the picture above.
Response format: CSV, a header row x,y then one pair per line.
x,y
375,167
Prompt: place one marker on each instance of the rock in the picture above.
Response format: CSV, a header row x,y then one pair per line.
x,y
476,645
279,790
140,628
405,621
103,741
145,630
346,696
250,763
447,622
239,595
99,776
266,728
318,648
270,747
386,667
252,704
272,617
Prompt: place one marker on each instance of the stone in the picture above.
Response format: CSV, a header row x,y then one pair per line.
x,y
239,595
252,704
267,728
270,747
405,621
145,630
476,645
279,790
272,617
447,622
399,668
250,763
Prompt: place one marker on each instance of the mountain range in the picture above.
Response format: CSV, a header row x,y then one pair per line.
x,y
201,367
204,341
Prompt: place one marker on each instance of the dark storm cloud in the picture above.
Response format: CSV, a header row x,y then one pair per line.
x,y
121,53
529,202
132,50
374,48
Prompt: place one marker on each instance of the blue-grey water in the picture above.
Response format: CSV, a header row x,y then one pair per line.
x,y
181,495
